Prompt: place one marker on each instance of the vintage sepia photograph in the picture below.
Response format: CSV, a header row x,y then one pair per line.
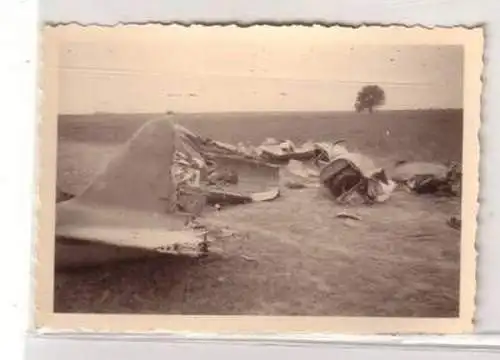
x,y
265,172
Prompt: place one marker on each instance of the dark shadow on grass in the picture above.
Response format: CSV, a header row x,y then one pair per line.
x,y
131,281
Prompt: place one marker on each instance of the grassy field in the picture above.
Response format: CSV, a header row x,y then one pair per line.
x,y
291,256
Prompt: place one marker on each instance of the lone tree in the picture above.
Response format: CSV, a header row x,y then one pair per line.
x,y
369,97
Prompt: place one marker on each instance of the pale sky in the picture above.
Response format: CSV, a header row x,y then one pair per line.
x,y
245,71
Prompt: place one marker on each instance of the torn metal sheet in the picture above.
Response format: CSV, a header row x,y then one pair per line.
x,y
220,197
214,197
328,151
266,195
285,151
346,215
231,176
253,178
276,153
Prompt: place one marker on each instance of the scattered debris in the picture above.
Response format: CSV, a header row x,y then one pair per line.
x,y
283,153
294,185
345,215
221,173
299,175
406,170
248,258
206,172
352,176
222,176
224,233
191,200
455,222
299,168
198,173
210,172
328,151
266,195
62,195
349,176
429,178
218,197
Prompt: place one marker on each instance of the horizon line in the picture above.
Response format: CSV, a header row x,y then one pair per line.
x,y
173,113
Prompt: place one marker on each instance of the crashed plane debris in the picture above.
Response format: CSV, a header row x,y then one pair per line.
x,y
429,178
351,175
455,222
147,198
128,210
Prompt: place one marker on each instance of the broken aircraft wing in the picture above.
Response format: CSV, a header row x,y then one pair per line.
x,y
131,203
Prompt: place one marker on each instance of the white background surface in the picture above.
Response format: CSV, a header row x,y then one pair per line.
x,y
18,32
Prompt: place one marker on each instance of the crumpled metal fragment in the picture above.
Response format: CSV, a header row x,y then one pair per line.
x,y
429,178
351,177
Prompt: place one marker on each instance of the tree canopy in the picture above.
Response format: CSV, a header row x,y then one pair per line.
x,y
369,97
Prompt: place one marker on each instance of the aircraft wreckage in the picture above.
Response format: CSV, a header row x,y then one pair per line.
x,y
148,198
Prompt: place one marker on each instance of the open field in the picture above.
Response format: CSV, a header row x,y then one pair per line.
x,y
291,256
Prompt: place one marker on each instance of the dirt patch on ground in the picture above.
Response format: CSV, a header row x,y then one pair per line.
x,y
401,259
